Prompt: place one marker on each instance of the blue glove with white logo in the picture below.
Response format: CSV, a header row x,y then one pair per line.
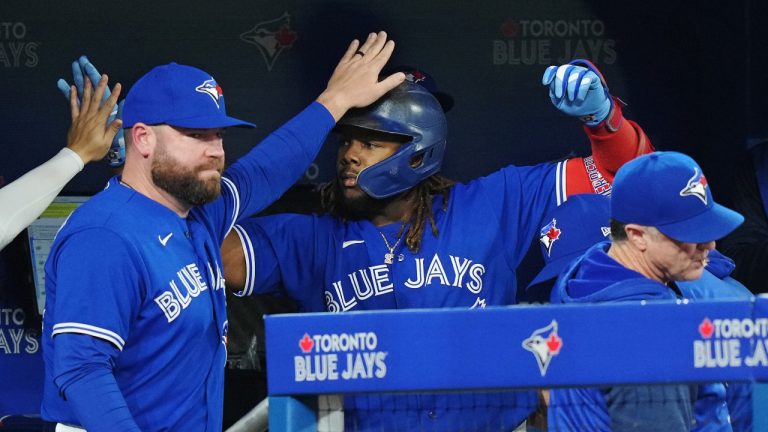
x,y
579,91
80,68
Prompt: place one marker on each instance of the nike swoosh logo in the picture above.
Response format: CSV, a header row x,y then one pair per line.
x,y
165,239
350,243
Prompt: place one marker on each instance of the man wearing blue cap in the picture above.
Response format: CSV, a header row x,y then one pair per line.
x,y
135,328
583,221
664,223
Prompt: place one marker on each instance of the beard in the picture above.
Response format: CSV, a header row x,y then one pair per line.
x,y
362,206
182,182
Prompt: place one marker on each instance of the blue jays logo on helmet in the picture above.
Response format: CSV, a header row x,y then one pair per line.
x,y
212,89
544,343
415,76
549,234
697,186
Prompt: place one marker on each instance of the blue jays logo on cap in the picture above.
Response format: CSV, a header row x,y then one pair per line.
x,y
549,234
697,186
212,89
165,95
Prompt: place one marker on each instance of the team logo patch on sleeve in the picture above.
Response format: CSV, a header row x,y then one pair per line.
x,y
549,234
697,186
212,89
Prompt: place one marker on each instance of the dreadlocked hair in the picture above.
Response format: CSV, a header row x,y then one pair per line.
x,y
421,195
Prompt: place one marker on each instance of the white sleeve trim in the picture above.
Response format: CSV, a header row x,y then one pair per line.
x,y
97,332
24,199
235,200
250,262
560,190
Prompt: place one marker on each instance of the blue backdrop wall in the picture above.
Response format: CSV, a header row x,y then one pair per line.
x,y
693,76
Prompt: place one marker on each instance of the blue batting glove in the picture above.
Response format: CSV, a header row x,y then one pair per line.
x,y
83,67
579,91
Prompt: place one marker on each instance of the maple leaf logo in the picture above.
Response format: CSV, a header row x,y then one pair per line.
x,y
706,328
554,343
544,343
286,37
306,343
271,37
696,186
548,235
510,28
212,89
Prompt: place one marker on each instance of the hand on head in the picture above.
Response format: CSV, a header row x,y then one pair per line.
x,y
355,81
90,135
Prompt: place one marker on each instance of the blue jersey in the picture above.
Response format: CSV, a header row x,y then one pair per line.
x,y
146,287
326,264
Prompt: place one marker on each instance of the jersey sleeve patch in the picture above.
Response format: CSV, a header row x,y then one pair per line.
x,y
86,329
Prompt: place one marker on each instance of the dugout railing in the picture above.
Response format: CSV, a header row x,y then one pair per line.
x,y
311,356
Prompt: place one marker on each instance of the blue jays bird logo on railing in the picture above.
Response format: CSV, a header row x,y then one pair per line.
x,y
212,89
271,37
544,343
549,234
697,186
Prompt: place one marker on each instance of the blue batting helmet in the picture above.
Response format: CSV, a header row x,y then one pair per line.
x,y
412,112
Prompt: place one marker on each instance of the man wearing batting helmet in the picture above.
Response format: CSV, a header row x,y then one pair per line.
x,y
371,250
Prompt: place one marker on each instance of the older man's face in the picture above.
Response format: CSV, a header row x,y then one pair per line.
x,y
673,260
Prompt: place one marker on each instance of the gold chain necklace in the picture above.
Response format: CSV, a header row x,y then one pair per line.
x,y
390,256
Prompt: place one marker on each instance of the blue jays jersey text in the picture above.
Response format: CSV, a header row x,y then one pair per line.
x,y
328,265
483,235
130,272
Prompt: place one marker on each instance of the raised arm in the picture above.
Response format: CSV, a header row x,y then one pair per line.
x,y
267,171
578,89
88,139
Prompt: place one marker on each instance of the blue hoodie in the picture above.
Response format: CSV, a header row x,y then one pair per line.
x,y
598,278
716,400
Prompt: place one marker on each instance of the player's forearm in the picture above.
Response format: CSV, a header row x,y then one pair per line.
x,y
98,403
268,170
617,141
24,199
82,369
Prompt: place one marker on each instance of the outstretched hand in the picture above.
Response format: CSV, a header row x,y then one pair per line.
x,y
90,135
579,91
82,68
355,81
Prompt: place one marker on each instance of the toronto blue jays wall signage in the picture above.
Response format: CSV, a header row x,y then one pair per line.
x,y
731,342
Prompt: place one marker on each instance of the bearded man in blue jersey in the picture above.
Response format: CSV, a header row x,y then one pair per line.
x,y
135,322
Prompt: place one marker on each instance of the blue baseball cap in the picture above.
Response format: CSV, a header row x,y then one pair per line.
x,y
178,95
668,190
571,229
